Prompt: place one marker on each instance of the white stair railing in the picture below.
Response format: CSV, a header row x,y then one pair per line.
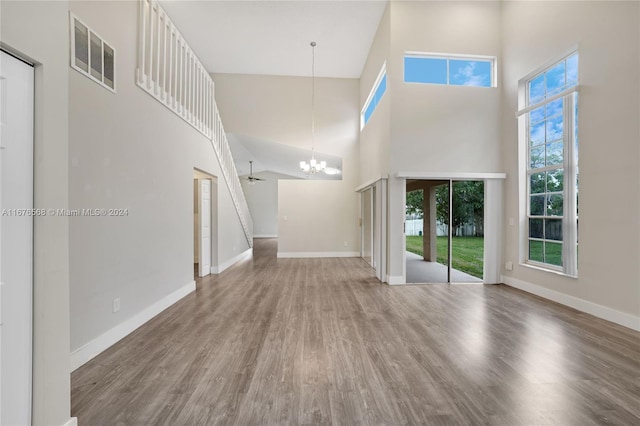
x,y
171,72
221,146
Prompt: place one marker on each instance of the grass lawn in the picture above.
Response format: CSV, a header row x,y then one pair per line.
x,y
468,252
547,252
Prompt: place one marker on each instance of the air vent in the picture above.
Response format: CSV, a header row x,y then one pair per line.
x,y
91,55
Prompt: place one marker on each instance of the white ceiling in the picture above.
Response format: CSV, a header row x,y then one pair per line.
x,y
272,37
276,157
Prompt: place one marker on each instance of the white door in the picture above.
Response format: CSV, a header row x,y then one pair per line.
x,y
16,239
204,209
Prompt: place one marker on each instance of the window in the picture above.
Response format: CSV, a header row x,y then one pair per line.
x,y
549,117
92,56
377,91
450,70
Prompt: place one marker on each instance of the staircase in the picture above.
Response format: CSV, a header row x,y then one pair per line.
x,y
223,152
171,72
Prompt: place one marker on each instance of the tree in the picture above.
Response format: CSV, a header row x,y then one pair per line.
x,y
468,204
415,202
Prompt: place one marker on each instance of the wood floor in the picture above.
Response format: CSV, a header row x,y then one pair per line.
x,y
320,341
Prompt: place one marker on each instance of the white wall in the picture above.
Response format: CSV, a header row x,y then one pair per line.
x,y
262,199
607,34
127,150
321,216
375,138
437,128
39,31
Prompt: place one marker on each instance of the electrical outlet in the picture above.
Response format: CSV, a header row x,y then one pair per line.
x,y
116,305
508,266
511,222
346,244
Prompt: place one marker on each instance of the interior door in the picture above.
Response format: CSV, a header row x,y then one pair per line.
x,y
204,199
367,226
16,239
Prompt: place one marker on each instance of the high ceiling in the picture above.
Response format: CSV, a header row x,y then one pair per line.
x,y
272,37
278,158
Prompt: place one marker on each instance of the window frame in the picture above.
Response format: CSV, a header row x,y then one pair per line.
x,y
569,167
493,61
371,98
104,45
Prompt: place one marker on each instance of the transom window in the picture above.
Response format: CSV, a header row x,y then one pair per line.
x,y
550,114
450,70
379,87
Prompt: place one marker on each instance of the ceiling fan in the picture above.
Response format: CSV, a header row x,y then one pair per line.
x,y
252,179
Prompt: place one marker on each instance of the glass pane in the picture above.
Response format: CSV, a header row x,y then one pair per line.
x,y
555,108
425,70
536,115
554,128
536,251
537,183
96,57
554,153
536,89
555,79
553,229
535,228
442,225
108,66
536,157
467,244
369,111
554,205
536,206
577,194
81,39
572,70
375,99
575,123
555,180
469,73
553,253
536,134
382,87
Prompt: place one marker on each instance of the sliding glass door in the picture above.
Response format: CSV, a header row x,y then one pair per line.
x,y
444,229
467,231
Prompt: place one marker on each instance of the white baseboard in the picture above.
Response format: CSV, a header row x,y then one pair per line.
x,y
90,350
308,254
73,421
395,280
609,314
265,236
229,263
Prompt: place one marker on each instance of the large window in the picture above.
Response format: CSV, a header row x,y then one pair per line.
x,y
379,87
549,112
450,70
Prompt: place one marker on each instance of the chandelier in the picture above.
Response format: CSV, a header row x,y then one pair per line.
x,y
313,166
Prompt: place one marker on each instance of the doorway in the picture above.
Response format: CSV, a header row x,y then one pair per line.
x,y
204,224
367,209
444,227
16,239
373,226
